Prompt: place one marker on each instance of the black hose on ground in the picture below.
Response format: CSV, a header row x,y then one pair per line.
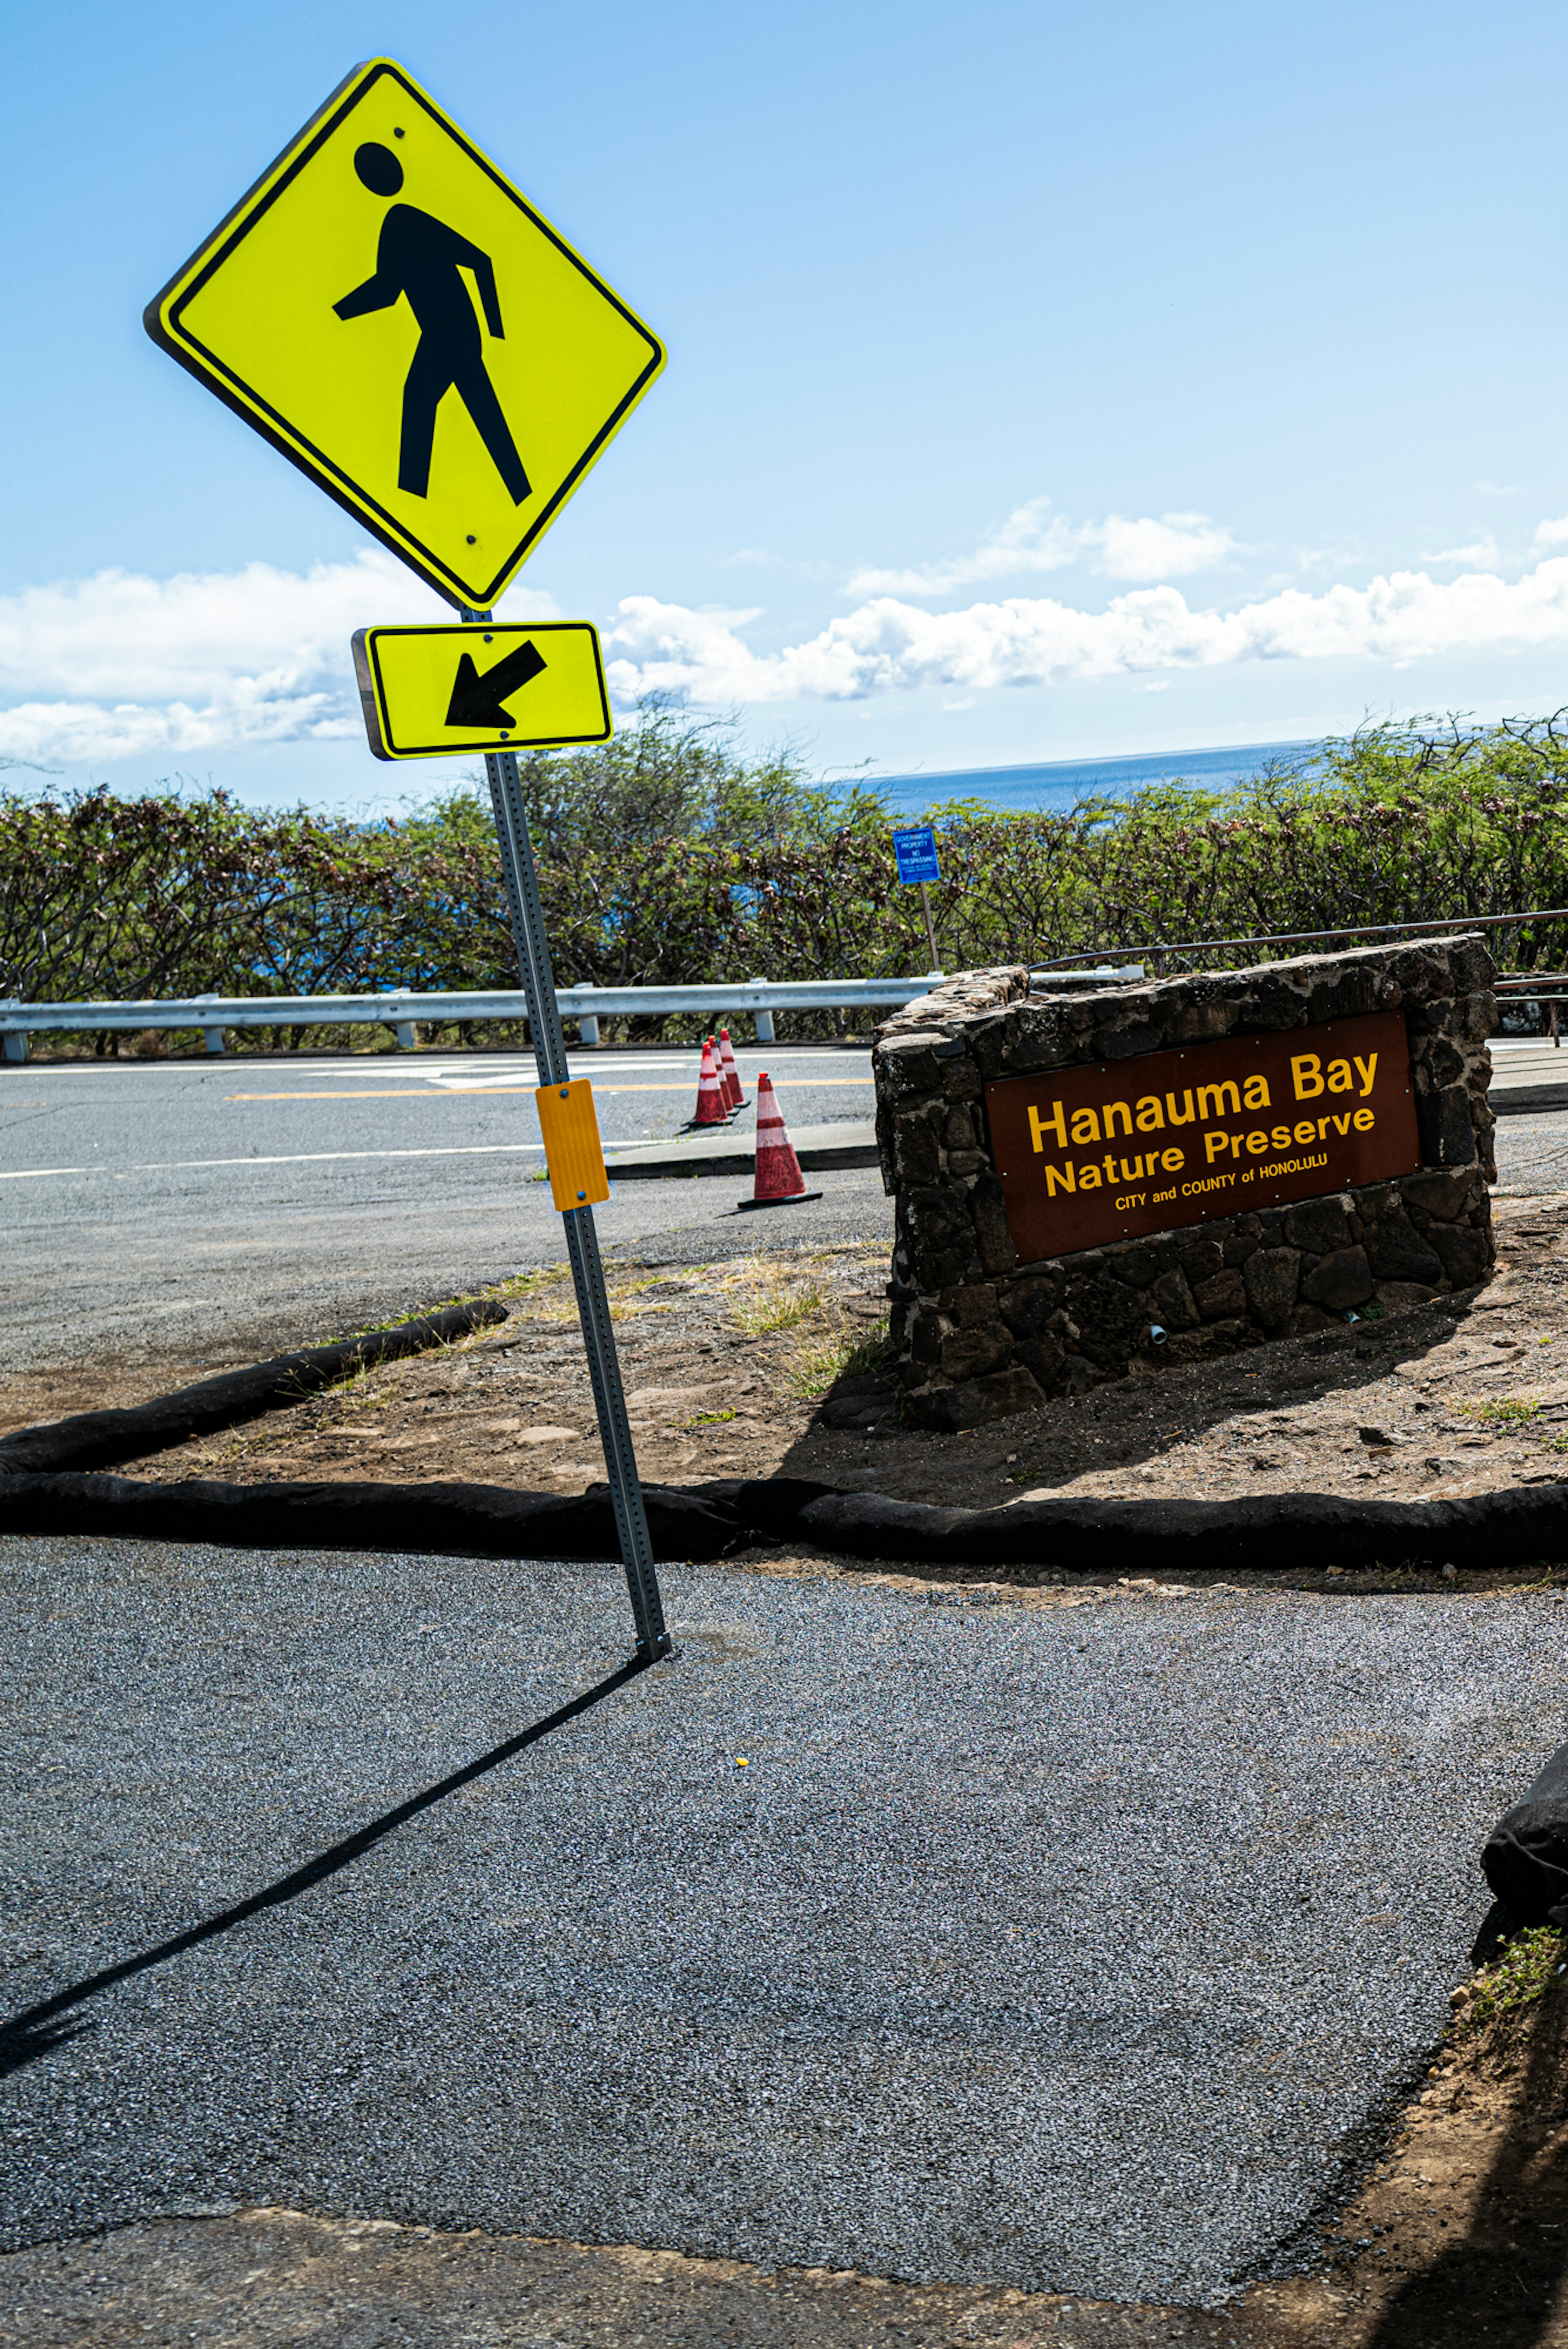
x,y
1276,1533
97,1439
1288,1533
1526,1857
439,1520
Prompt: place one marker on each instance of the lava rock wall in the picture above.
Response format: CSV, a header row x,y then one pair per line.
x,y
980,1334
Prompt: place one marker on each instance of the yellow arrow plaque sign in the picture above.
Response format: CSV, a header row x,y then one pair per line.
x,y
385,309
426,690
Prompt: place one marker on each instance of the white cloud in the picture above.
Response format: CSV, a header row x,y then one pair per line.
x,y
886,645
108,666
1171,548
1483,550
1123,548
120,662
1496,489
1552,534
1025,542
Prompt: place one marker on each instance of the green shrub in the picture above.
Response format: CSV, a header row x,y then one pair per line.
x,y
665,856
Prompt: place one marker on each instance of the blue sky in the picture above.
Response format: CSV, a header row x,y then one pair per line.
x,y
1045,382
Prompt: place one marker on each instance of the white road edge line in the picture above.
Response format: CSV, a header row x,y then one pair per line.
x,y
297,1158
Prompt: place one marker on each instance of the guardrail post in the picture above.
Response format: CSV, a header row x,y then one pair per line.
x,y
764,1019
15,1043
549,1043
403,1030
212,1038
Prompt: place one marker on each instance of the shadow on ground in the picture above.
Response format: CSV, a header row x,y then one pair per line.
x,y
1499,2281
24,2036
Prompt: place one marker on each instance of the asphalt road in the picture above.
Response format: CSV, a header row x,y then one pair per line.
x,y
221,1211
1079,1949
1532,1154
241,1207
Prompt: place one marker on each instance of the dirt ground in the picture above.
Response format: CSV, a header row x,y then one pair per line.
x,y
725,1369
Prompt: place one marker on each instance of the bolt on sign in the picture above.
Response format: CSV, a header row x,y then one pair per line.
x,y
1110,1151
424,690
385,309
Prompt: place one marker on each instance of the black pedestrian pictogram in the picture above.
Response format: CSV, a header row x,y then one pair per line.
x,y
422,257
476,698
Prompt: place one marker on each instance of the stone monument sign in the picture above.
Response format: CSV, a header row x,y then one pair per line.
x,y
1093,1181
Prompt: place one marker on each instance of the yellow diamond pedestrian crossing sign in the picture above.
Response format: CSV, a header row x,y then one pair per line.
x,y
390,312
426,690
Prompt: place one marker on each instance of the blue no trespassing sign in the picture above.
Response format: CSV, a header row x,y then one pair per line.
x,y
916,850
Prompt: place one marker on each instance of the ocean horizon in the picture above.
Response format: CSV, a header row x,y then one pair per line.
x,y
1062,782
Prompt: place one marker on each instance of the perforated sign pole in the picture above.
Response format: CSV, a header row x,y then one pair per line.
x,y
582,1239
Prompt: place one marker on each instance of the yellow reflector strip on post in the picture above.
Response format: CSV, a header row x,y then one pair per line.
x,y
573,1151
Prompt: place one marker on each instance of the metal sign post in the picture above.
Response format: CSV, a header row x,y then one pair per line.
x,y
582,1239
915,850
269,314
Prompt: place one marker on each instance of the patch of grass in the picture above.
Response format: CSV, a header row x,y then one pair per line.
x,y
1524,1974
867,1355
710,1418
814,1361
361,1390
629,1298
1506,1412
779,1300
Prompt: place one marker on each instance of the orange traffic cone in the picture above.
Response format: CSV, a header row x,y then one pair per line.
x,y
710,1105
729,1071
779,1181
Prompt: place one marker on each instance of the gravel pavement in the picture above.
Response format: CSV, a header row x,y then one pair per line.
x,y
1072,1948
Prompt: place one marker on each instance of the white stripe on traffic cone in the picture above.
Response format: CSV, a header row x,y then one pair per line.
x,y
710,1107
729,1071
779,1182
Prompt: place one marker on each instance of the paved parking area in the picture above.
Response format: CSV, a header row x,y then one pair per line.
x,y
1071,1948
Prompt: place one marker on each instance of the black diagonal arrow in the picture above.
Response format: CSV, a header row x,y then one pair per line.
x,y
477,700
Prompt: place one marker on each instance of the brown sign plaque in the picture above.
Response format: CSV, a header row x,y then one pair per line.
x,y
1109,1151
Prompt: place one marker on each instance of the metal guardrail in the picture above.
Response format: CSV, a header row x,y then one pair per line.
x,y
1457,926
401,1010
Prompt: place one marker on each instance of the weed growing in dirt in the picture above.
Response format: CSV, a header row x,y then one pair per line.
x,y
1525,1973
818,1362
778,1301
813,1363
868,1355
710,1418
361,1391
1507,1411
